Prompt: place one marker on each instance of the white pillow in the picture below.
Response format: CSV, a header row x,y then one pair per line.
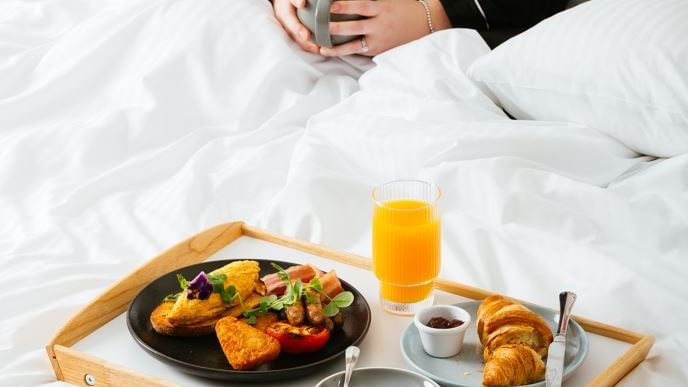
x,y
620,66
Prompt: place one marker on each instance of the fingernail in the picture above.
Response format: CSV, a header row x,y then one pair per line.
x,y
324,51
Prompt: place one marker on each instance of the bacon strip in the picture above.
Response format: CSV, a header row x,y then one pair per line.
x,y
318,273
275,285
330,284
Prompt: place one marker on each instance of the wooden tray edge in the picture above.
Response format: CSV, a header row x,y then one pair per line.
x,y
113,301
441,284
82,369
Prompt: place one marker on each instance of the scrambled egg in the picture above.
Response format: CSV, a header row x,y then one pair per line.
x,y
243,275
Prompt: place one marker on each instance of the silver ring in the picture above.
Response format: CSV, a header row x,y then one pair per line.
x,y
364,45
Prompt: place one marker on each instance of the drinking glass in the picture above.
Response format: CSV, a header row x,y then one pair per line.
x,y
406,243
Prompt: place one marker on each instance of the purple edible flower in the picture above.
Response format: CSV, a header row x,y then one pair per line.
x,y
199,287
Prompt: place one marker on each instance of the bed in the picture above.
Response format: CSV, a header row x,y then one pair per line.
x,y
127,126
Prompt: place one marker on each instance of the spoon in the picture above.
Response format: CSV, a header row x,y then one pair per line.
x,y
351,358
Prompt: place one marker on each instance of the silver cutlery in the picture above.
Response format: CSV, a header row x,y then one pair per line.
x,y
555,354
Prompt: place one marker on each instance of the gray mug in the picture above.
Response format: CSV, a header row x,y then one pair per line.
x,y
316,17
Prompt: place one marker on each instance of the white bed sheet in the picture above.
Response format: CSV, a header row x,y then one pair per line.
x,y
126,126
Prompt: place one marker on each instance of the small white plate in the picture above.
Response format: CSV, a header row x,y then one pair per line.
x,y
465,369
379,377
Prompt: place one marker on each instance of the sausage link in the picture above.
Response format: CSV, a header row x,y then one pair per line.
x,y
296,313
329,324
314,311
338,320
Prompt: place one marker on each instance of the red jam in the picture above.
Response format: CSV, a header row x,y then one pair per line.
x,y
443,323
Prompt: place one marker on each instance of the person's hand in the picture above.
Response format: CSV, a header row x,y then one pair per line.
x,y
285,12
390,23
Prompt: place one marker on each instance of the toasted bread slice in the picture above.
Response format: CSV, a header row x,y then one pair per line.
x,y
163,326
245,346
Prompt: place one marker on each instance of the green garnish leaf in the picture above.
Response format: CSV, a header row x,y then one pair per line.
x,y
266,301
228,294
315,284
287,293
295,290
276,266
298,289
343,299
283,276
251,319
312,299
217,277
218,281
293,293
330,310
281,273
171,297
183,283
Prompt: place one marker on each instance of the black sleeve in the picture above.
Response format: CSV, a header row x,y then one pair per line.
x,y
502,18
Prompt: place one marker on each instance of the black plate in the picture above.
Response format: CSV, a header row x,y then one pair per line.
x,y
203,355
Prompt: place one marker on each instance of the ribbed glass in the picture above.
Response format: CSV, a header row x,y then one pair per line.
x,y
406,243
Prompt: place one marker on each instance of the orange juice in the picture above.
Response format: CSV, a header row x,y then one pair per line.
x,y
406,249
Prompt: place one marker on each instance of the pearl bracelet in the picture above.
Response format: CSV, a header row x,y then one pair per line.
x,y
424,3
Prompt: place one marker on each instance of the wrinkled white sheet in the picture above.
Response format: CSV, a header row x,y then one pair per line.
x,y
126,126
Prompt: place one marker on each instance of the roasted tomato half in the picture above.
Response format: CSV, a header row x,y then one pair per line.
x,y
301,339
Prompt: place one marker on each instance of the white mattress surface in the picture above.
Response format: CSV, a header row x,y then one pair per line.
x,y
128,125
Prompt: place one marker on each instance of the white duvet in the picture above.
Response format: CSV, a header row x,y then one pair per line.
x,y
126,126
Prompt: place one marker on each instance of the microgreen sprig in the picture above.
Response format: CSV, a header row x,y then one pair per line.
x,y
229,293
341,300
295,290
183,283
217,280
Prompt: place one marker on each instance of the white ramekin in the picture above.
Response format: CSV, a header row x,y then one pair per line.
x,y
442,342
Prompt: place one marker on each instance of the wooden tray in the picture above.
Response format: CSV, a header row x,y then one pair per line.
x,y
82,369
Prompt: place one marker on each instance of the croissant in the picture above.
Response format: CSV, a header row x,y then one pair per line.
x,y
502,321
513,365
514,339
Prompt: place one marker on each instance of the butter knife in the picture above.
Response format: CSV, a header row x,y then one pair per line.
x,y
556,351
